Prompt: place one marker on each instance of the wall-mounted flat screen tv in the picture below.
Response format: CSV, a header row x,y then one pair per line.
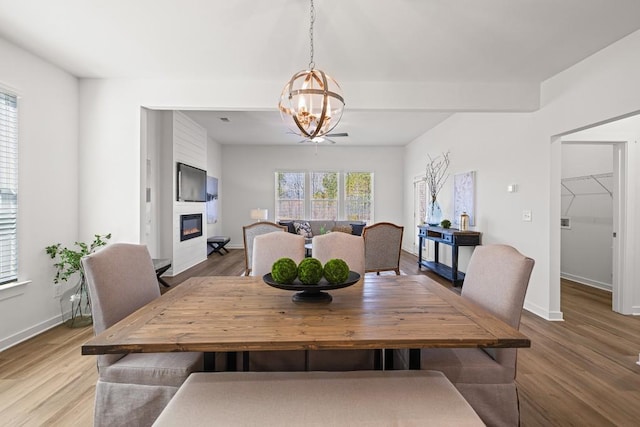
x,y
192,184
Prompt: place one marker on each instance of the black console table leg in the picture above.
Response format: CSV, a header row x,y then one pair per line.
x,y
454,264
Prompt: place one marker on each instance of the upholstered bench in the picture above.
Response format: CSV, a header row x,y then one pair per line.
x,y
371,398
217,243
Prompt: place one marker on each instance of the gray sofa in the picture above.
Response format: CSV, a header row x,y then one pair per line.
x,y
320,225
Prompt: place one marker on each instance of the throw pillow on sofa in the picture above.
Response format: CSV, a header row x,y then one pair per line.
x,y
303,229
289,224
342,228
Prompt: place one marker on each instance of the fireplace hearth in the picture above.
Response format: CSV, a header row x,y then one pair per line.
x,y
190,226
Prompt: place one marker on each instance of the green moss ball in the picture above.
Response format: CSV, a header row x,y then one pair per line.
x,y
310,271
284,271
336,271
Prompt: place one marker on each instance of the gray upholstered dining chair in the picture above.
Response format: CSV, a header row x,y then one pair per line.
x,y
267,248
382,246
249,232
497,278
350,248
132,389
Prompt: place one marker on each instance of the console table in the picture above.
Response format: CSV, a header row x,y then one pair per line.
x,y
451,237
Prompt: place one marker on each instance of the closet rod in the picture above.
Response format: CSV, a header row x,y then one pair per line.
x,y
584,177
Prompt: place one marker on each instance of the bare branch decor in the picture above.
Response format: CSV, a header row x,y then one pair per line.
x,y
436,175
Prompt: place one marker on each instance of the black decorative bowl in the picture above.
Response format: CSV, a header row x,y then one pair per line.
x,y
312,293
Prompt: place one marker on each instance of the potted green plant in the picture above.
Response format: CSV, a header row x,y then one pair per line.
x,y
67,264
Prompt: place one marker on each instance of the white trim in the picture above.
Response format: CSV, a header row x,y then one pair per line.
x,y
554,316
30,332
10,90
12,290
587,282
13,285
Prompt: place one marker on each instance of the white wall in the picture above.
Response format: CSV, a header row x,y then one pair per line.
x,y
110,123
161,151
501,149
600,88
250,181
48,187
189,144
524,148
587,246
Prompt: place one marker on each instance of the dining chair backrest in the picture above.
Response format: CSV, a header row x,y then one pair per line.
x,y
269,247
121,279
344,246
249,232
497,278
382,246
133,388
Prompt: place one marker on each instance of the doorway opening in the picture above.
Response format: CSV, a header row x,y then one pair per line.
x,y
614,136
586,222
419,208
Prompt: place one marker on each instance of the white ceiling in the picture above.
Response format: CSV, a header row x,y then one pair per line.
x,y
395,41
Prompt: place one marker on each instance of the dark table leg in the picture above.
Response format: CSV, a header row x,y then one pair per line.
x,y
414,359
388,359
209,361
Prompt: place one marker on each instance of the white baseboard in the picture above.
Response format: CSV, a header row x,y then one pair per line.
x,y
635,310
30,332
585,281
554,316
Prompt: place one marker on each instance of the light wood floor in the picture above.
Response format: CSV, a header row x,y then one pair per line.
x,y
580,372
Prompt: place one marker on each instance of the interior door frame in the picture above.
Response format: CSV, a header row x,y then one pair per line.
x,y
417,181
621,290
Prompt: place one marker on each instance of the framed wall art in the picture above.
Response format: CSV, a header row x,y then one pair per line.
x,y
464,186
212,200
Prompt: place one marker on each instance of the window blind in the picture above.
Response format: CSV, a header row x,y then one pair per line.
x,y
8,188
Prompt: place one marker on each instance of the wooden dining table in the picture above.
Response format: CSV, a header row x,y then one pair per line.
x,y
231,314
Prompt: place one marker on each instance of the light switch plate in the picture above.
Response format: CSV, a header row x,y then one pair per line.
x,y
526,215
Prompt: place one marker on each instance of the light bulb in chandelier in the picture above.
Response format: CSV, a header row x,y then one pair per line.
x,y
311,103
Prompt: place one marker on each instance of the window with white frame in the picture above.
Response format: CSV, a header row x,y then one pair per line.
x,y
290,195
324,195
8,188
358,196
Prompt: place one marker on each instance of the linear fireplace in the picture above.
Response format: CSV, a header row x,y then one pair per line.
x,y
190,226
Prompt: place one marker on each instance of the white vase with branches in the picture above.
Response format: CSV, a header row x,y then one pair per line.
x,y
436,175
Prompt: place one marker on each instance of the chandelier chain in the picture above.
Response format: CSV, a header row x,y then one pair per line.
x,y
312,20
